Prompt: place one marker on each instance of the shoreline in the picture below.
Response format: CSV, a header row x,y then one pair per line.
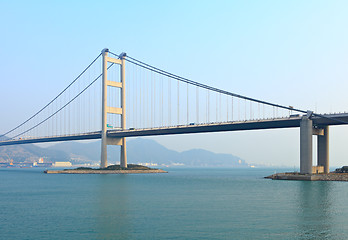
x,y
343,177
97,171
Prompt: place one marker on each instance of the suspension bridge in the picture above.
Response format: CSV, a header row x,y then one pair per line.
x,y
117,96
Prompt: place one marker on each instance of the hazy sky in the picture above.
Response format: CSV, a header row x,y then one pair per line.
x,y
287,52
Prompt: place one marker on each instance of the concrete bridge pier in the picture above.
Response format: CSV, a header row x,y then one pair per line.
x,y
323,149
306,148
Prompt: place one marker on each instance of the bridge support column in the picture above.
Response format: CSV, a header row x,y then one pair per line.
x,y
104,156
306,131
105,140
323,149
123,160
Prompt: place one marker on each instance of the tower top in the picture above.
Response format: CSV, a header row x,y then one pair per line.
x,y
105,50
122,55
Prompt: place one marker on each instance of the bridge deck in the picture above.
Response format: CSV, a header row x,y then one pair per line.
x,y
187,129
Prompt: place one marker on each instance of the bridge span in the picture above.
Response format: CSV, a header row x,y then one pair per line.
x,y
262,124
93,106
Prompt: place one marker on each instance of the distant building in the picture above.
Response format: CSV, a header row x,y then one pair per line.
x,y
148,164
4,164
62,164
38,164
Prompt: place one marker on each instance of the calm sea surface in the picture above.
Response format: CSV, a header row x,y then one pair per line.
x,y
183,204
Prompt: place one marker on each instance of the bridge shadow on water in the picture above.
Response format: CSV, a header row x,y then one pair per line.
x,y
315,210
112,199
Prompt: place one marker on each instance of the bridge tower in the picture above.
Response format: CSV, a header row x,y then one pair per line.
x,y
306,149
113,110
323,149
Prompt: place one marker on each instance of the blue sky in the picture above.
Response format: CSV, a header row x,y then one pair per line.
x,y
287,52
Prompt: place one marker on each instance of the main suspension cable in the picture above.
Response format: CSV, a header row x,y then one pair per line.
x,y
53,98
182,79
179,78
63,106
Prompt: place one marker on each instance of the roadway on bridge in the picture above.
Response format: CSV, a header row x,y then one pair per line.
x,y
291,122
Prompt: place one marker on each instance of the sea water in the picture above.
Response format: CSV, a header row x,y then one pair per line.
x,y
182,204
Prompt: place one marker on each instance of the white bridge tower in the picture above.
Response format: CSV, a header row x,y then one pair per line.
x,y
105,140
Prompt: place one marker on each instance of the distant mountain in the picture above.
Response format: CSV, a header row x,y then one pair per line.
x,y
200,157
31,153
80,152
149,151
138,151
